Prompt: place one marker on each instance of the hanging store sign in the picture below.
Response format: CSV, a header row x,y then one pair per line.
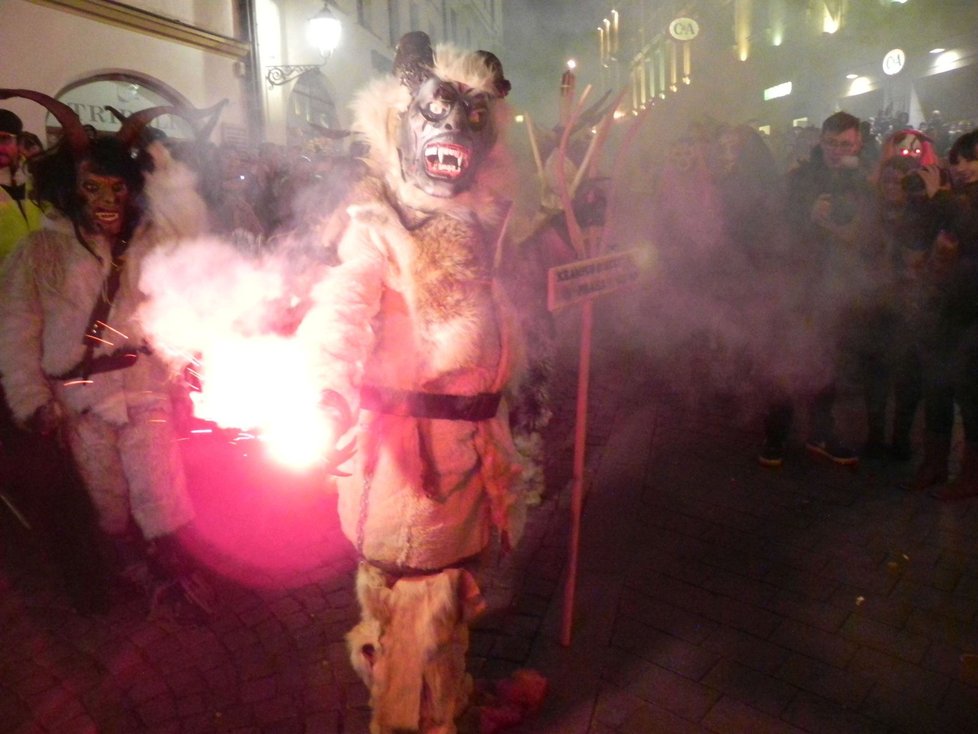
x,y
893,61
684,29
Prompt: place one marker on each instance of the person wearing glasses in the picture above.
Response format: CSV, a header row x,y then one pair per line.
x,y
828,214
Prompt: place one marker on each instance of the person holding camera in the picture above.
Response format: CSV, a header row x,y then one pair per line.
x,y
889,349
949,328
828,213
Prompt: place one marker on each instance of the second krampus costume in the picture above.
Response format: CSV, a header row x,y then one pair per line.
x,y
76,365
416,337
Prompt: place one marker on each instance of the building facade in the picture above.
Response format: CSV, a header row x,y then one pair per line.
x,y
302,107
97,56
111,57
785,63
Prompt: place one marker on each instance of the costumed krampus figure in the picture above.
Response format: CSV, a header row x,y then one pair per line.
x,y
76,364
417,339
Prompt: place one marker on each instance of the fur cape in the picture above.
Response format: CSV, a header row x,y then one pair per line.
x,y
412,306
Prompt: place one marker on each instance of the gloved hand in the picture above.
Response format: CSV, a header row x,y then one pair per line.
x,y
47,419
342,419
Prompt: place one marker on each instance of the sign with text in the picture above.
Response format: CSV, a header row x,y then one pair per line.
x,y
684,29
584,279
893,61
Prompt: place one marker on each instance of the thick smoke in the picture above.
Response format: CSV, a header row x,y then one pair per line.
x,y
228,318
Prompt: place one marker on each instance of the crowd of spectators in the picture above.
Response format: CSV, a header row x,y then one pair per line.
x,y
847,261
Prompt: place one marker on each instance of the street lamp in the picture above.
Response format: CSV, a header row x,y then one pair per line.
x,y
323,31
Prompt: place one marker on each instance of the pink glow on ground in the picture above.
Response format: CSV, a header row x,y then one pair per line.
x,y
257,522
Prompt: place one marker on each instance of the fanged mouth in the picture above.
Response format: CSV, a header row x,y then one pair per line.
x,y
446,160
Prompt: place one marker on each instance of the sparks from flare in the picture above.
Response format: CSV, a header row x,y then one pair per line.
x,y
214,313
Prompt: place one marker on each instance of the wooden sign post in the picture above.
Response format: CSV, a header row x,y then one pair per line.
x,y
595,272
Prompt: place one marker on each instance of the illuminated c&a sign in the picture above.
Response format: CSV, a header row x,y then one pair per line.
x,y
893,61
684,29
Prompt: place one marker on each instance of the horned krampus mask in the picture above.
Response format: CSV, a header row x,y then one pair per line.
x,y
94,182
447,130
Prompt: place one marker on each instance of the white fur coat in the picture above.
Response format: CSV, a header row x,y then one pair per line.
x,y
48,289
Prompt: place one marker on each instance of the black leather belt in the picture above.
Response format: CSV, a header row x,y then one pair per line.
x,y
118,360
480,407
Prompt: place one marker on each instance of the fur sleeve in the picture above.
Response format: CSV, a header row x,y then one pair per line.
x,y
340,323
20,333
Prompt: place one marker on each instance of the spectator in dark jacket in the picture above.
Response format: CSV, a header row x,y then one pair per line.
x,y
949,352
828,213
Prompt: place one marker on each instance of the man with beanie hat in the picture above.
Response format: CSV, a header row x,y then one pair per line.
x,y
18,214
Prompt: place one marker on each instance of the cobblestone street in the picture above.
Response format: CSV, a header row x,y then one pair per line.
x,y
713,596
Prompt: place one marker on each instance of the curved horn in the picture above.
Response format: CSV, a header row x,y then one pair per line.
x,y
71,127
192,114
133,125
500,82
117,114
413,59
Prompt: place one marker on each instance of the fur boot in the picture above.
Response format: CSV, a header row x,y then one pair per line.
x,y
410,648
933,468
965,484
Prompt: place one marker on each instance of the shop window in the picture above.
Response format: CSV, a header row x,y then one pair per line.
x,y
312,110
363,13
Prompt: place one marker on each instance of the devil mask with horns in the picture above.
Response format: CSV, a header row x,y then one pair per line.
x,y
446,128
94,182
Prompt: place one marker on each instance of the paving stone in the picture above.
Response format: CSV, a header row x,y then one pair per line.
x,y
846,688
666,617
887,609
882,637
744,589
649,719
746,649
157,711
280,710
681,696
814,643
733,716
663,649
801,582
816,714
905,713
898,674
943,628
614,706
960,706
922,596
259,689
953,662
756,689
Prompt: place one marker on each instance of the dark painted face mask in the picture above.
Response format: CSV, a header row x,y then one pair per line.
x,y
106,201
445,136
